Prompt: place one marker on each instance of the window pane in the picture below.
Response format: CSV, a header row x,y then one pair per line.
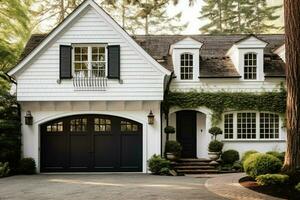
x,y
228,126
248,122
250,65
186,68
269,126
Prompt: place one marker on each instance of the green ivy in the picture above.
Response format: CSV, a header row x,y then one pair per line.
x,y
219,102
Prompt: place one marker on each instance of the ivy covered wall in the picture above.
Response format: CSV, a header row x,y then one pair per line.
x,y
220,102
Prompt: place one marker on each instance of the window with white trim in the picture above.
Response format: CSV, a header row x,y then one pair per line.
x,y
269,126
89,61
186,66
251,125
228,126
250,66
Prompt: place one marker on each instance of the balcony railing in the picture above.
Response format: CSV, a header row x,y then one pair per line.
x,y
90,80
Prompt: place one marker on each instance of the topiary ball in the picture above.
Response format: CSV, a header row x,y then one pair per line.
x,y
230,156
260,163
215,146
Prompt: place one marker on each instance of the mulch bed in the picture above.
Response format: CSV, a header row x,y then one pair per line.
x,y
282,191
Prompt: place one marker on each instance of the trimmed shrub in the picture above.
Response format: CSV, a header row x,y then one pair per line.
x,y
27,166
297,187
158,165
4,169
237,166
214,131
272,179
279,155
173,147
247,154
230,156
215,146
169,129
259,164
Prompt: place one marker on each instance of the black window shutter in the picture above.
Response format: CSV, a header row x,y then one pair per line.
x,y
114,61
65,62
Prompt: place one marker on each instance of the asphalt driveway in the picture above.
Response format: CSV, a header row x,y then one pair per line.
x,y
103,186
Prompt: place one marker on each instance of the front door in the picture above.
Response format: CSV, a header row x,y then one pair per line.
x,y
186,132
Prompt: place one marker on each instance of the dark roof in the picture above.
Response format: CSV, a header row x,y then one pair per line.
x,y
213,60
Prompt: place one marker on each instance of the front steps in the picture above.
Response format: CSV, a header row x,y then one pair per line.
x,y
195,166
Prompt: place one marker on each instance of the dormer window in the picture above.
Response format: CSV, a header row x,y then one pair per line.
x,y
250,66
186,66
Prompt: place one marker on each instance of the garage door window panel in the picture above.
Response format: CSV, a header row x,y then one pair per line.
x,y
102,125
78,125
127,126
55,127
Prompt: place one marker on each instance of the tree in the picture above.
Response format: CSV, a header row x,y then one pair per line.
x,y
292,46
152,18
10,132
15,29
238,16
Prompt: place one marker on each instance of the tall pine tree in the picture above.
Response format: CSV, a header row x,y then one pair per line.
x,y
238,16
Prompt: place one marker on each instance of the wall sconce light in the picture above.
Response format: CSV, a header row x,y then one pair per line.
x,y
28,118
151,118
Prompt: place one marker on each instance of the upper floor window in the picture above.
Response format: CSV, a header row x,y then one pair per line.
x,y
250,66
89,61
186,66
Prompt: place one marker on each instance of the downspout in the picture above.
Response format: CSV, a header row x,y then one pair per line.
x,y
166,92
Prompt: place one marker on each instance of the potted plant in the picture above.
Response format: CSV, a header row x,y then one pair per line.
x,y
173,150
169,130
215,131
214,149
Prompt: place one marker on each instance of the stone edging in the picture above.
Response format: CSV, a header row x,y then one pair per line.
x,y
228,186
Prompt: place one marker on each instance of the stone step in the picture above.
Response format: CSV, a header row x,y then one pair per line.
x,y
193,164
194,167
198,171
194,160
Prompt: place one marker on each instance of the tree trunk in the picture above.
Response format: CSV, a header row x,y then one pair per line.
x,y
220,16
292,46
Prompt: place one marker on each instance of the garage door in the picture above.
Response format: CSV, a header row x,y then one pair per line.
x,y
86,143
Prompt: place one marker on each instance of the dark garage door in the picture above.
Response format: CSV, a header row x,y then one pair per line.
x,y
85,143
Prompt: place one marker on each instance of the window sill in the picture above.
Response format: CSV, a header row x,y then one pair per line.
x,y
253,140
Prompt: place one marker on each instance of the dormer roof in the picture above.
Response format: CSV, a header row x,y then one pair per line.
x,y
186,43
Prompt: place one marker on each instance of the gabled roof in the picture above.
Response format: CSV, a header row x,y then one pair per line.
x,y
213,60
87,3
249,36
187,42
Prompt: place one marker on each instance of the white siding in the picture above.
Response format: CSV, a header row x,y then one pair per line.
x,y
141,80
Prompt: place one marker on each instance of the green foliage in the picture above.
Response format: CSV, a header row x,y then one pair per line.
x,y
4,169
247,154
27,166
173,147
238,16
272,179
215,146
237,165
279,155
15,30
297,187
260,164
169,130
219,102
214,131
158,165
230,156
10,129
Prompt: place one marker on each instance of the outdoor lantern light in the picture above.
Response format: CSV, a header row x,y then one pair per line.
x,y
28,118
151,118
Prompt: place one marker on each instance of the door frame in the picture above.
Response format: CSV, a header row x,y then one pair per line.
x,y
142,123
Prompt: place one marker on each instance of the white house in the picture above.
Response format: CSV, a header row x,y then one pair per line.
x,y
90,88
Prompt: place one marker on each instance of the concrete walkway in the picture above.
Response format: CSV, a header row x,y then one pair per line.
x,y
104,187
227,185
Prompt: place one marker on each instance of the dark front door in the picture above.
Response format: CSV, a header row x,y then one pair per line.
x,y
186,132
91,143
